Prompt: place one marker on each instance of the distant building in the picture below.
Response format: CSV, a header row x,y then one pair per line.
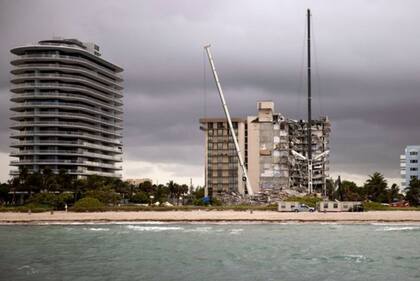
x,y
410,165
67,109
222,170
139,181
266,141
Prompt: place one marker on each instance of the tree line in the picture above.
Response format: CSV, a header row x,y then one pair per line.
x,y
375,189
59,189
46,187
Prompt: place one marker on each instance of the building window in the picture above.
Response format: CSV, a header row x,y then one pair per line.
x,y
413,169
335,205
325,205
413,152
413,177
414,161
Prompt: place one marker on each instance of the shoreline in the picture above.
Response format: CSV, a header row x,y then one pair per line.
x,y
210,217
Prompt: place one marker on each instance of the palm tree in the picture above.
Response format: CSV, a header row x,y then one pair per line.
x,y
172,189
34,182
376,187
23,178
48,179
413,192
64,180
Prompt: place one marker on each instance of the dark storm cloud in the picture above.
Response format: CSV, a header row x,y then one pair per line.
x,y
366,64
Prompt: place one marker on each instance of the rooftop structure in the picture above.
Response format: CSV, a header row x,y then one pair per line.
x,y
67,109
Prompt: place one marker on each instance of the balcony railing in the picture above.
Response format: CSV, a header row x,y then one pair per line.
x,y
48,66
66,152
64,124
64,104
111,90
65,133
67,115
60,95
114,97
65,162
74,172
54,56
65,143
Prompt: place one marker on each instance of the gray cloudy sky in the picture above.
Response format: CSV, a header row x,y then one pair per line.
x,y
367,69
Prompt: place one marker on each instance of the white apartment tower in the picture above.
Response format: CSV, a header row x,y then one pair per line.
x,y
67,109
410,165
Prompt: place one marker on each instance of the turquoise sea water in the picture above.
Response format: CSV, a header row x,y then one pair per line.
x,y
210,252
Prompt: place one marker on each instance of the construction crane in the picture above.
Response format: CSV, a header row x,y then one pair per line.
x,y
309,158
245,177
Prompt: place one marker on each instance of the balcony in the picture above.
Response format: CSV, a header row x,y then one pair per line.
x,y
64,58
19,125
70,115
59,95
69,68
65,162
65,134
67,143
63,105
69,78
70,87
75,172
66,152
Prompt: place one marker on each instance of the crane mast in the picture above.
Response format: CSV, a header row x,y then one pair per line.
x,y
309,126
232,131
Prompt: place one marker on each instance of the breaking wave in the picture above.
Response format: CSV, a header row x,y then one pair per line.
x,y
399,228
236,231
96,229
199,229
29,270
353,258
154,228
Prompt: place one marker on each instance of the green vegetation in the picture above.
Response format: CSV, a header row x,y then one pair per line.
x,y
413,192
88,204
375,189
55,191
51,200
44,191
375,206
33,208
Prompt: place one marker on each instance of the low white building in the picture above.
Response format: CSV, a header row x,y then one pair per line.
x,y
337,206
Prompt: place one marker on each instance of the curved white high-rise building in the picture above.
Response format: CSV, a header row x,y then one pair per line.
x,y
67,109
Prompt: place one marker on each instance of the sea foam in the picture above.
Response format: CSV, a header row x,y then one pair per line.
x,y
399,228
154,228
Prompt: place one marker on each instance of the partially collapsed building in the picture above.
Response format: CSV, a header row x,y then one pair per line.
x,y
266,142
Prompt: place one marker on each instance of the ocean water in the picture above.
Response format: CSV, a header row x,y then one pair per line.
x,y
204,252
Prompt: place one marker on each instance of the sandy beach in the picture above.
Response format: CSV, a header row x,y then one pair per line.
x,y
211,216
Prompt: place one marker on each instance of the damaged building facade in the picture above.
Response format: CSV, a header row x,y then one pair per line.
x,y
266,142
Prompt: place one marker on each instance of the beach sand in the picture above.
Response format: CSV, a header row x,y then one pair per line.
x,y
212,216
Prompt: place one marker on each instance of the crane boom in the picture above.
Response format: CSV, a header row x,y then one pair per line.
x,y
232,131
